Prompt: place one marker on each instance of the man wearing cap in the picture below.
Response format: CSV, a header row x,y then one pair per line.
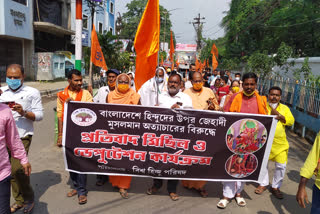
x,y
105,90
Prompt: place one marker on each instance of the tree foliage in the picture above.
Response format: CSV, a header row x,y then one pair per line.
x,y
131,20
262,25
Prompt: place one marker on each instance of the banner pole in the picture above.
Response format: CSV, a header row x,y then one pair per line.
x,y
78,51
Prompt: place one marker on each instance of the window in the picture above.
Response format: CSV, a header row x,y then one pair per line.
x,y
100,28
24,2
111,30
111,7
56,65
61,66
85,22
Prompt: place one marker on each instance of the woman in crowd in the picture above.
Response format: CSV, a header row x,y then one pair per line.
x,y
122,94
234,88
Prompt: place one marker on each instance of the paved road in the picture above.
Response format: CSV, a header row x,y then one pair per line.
x,y
50,181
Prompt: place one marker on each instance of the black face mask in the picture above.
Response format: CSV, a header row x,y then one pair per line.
x,y
209,75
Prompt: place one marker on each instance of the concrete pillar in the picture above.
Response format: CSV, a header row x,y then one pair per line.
x,y
28,54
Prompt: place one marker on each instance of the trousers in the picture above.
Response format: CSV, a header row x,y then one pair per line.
x,y
171,185
5,196
278,175
79,182
231,188
20,183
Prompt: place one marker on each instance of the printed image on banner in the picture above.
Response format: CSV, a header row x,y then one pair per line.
x,y
83,117
246,136
241,166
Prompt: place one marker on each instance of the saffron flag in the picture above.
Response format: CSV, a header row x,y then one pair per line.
x,y
197,64
214,51
161,61
171,50
214,63
97,57
146,44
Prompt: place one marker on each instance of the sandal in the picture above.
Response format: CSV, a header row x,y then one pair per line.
x,y
260,189
28,206
174,196
277,193
124,193
82,199
152,190
15,207
72,193
240,201
203,193
223,203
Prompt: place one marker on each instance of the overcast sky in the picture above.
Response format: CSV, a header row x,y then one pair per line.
x,y
212,10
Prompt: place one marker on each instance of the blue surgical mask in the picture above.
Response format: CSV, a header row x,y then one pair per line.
x,y
159,79
13,83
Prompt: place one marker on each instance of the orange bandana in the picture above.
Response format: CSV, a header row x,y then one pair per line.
x,y
261,100
64,95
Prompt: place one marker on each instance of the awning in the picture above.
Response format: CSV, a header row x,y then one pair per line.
x,y
52,28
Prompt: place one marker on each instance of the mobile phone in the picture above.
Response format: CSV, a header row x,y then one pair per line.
x,y
179,103
10,104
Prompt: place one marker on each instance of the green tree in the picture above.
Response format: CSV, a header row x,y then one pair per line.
x,y
131,20
260,63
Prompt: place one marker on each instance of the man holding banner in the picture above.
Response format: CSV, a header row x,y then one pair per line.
x,y
76,93
248,101
171,99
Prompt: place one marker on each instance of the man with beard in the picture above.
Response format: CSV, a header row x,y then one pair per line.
x,y
73,92
280,145
153,88
173,99
248,101
105,90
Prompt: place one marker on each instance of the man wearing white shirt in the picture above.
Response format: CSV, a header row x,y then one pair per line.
x,y
26,108
105,90
173,99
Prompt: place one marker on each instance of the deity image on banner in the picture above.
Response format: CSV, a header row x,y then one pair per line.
x,y
246,136
241,166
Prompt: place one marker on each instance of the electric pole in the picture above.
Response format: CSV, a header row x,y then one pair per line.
x,y
198,26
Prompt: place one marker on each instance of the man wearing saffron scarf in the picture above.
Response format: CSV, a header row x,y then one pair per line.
x,y
123,94
105,90
76,93
247,101
203,98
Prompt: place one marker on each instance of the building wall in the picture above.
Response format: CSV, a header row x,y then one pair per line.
x,y
16,36
111,16
16,19
86,33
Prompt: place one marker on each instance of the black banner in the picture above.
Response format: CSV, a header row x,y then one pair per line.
x,y
165,143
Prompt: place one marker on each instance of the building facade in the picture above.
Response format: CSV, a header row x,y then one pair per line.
x,y
16,34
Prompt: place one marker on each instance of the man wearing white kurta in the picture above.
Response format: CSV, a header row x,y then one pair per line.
x,y
150,92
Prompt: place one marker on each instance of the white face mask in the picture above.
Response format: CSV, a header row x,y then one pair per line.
x,y
237,78
273,105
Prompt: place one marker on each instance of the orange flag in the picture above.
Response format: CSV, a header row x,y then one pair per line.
x,y
207,64
214,63
214,51
146,44
161,61
97,57
197,64
171,50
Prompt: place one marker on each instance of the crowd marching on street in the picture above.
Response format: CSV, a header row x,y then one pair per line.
x,y
215,90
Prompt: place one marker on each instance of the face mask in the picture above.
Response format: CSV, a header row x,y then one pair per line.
x,y
273,105
237,78
235,89
198,86
248,95
221,84
218,76
123,88
13,83
159,79
112,84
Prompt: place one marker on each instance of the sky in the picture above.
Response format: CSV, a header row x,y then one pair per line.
x,y
183,12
